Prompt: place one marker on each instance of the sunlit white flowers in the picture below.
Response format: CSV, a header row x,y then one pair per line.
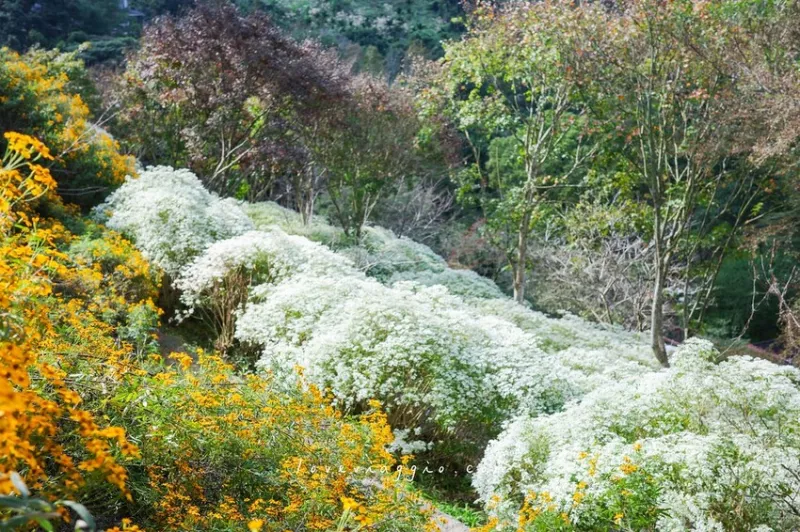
x,y
171,217
720,442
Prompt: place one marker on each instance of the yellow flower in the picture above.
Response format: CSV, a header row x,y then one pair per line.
x,y
364,521
618,518
349,504
183,360
26,145
255,525
627,467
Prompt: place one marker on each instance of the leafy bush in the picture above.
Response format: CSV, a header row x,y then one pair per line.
x,y
49,435
40,97
718,443
225,451
391,29
254,91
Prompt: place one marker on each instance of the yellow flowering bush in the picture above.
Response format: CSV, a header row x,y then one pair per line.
x,y
56,445
22,180
39,95
224,451
625,497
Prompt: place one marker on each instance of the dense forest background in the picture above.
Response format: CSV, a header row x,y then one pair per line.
x,y
376,36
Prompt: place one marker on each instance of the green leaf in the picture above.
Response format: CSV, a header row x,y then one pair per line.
x,y
16,522
8,501
44,523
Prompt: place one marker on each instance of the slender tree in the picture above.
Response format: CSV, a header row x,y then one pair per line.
x,y
366,148
507,88
654,74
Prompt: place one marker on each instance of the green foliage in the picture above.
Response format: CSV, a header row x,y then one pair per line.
x,y
519,111
367,149
25,510
385,31
24,24
449,502
40,94
107,50
731,312
221,449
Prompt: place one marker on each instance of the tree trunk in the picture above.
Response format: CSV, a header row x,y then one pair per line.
x,y
308,211
521,262
657,316
305,204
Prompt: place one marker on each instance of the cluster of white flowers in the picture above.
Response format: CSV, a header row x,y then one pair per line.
x,y
266,214
429,355
404,445
382,254
171,216
721,441
450,356
362,340
464,283
435,359
265,257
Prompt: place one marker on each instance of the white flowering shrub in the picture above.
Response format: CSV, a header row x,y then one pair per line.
x,y
268,213
594,434
701,446
269,257
464,283
446,352
570,331
171,217
430,357
404,443
285,316
382,254
217,281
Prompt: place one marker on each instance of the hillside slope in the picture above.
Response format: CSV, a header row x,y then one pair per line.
x,y
592,430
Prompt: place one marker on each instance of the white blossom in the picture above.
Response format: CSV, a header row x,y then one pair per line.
x,y
171,217
267,213
265,256
717,438
382,254
464,283
450,356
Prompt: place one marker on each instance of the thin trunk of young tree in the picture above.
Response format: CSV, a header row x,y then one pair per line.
x,y
521,259
657,316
